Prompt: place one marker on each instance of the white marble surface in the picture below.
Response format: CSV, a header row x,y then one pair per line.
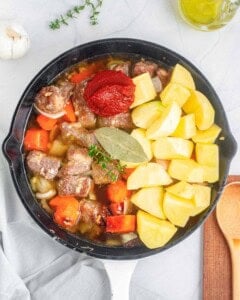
x,y
175,274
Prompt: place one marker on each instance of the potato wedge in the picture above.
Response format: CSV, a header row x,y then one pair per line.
x,y
140,135
181,189
175,92
166,123
144,115
186,128
204,112
172,147
177,209
148,175
182,76
150,200
152,231
186,170
201,198
208,136
144,90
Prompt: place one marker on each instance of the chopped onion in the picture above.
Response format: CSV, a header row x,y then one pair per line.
x,y
157,84
51,116
47,195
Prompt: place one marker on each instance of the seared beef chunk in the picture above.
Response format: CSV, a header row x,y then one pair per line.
x,y
71,185
66,88
143,67
164,76
84,114
101,176
123,67
79,162
122,120
73,132
50,99
93,211
41,164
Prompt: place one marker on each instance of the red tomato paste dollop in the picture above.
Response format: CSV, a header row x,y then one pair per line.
x,y
109,93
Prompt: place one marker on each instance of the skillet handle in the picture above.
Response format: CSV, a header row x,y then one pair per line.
x,y
119,274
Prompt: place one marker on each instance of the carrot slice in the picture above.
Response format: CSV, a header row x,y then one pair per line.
x,y
66,210
69,113
121,224
127,172
45,122
117,191
36,139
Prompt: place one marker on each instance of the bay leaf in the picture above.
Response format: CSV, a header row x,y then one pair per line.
x,y
120,145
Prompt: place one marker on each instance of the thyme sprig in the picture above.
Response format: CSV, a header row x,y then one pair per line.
x,y
75,11
104,159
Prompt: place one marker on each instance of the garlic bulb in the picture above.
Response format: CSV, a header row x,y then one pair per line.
x,y
14,40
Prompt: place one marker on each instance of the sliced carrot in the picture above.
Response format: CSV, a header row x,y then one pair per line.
x,y
117,191
36,139
86,72
45,122
121,224
66,210
69,113
127,172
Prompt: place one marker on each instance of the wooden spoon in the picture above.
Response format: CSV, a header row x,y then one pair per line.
x,y
228,217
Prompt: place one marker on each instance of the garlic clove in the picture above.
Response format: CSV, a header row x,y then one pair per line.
x,y
14,40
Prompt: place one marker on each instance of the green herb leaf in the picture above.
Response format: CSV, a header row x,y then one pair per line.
x,y
120,145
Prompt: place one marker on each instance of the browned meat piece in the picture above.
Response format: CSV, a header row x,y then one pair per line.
x,y
50,99
84,114
101,176
79,162
143,67
74,132
78,186
93,211
66,88
122,120
41,164
164,76
123,67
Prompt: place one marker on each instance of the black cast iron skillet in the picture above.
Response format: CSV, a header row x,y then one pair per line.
x,y
13,149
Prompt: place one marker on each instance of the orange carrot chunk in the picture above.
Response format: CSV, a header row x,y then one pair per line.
x,y
66,210
45,122
117,191
127,172
116,208
36,139
69,113
121,224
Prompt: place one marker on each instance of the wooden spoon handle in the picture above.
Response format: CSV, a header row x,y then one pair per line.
x,y
235,254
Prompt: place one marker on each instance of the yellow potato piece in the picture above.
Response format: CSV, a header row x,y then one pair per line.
x,y
177,209
57,148
210,173
172,147
152,231
207,154
148,175
144,90
166,123
150,200
174,92
144,115
207,136
186,170
186,128
182,76
181,189
201,198
204,112
140,135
